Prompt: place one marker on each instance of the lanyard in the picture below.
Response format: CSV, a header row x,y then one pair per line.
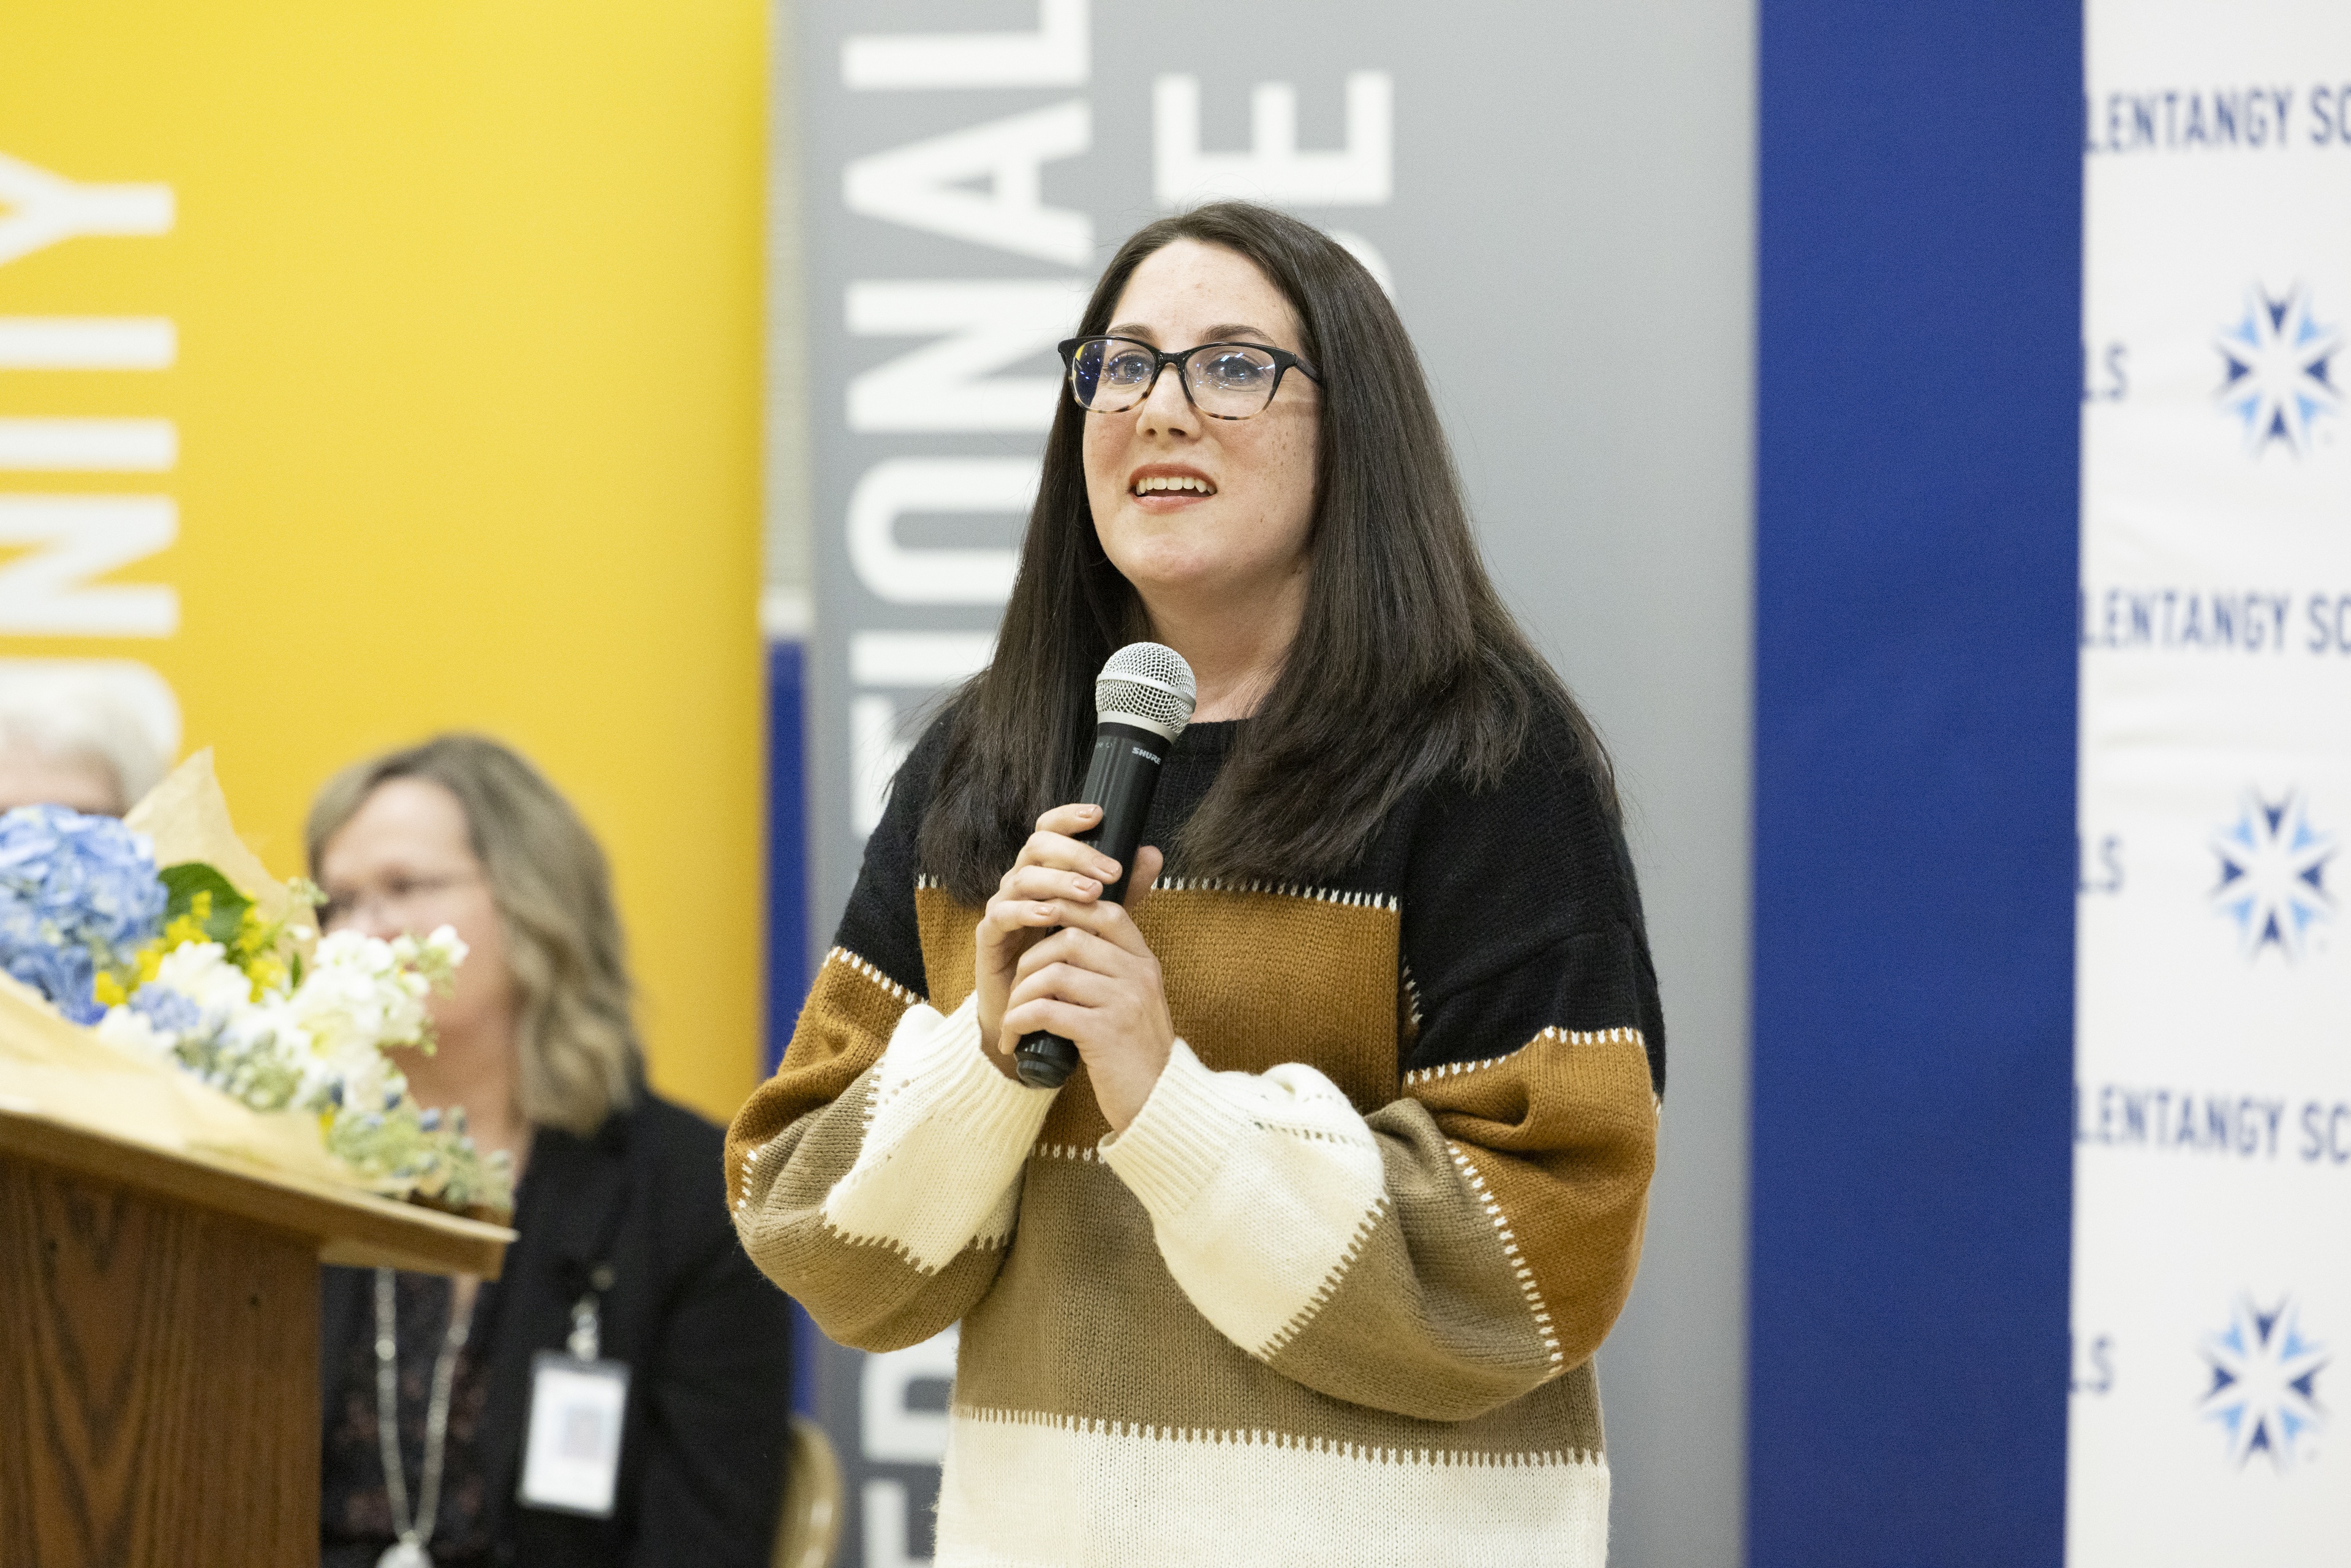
x,y
409,1550
586,1341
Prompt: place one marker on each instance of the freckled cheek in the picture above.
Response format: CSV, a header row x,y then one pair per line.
x,y
1284,462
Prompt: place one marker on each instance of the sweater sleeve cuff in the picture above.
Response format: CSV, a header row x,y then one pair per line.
x,y
1184,1132
942,1070
946,1138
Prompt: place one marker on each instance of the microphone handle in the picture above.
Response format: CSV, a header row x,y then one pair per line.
x,y
1119,778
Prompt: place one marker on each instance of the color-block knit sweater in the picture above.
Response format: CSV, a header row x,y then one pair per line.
x,y
1334,1295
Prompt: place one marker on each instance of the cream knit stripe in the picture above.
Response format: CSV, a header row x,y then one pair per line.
x,y
1558,1035
1526,1276
945,1137
1037,1490
1260,1188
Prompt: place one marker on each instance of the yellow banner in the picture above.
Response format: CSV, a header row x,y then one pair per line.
x,y
369,370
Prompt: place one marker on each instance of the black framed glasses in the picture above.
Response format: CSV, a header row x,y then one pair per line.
x,y
1223,381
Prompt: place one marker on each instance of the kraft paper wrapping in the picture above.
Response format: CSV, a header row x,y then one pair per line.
x,y
60,1071
187,817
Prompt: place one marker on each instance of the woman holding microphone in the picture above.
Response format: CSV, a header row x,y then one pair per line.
x,y
1307,1260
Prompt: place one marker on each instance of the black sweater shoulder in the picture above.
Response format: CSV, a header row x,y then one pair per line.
x,y
1521,910
879,925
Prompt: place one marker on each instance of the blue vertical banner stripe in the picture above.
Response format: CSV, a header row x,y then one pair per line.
x,y
788,920
1917,460
788,856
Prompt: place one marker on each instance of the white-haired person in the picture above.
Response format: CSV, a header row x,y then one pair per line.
x,y
68,740
620,1212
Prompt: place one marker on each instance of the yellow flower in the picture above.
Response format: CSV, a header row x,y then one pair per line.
x,y
109,991
267,974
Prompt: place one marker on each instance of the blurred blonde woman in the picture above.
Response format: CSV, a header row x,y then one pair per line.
x,y
619,1210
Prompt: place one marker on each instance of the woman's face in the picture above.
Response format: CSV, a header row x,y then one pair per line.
x,y
405,863
1242,532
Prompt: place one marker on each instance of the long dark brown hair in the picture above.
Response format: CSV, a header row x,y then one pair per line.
x,y
1406,667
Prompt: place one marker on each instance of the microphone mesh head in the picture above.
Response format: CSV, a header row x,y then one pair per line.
x,y
1147,683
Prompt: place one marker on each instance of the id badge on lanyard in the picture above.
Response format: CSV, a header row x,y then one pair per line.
x,y
571,1452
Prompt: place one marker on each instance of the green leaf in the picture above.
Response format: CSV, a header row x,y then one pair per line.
x,y
184,881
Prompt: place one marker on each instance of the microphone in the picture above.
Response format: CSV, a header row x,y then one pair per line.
x,y
1143,700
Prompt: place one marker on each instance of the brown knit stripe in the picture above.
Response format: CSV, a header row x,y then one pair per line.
x,y
1085,1323
1241,1013
1554,1035
948,934
1560,1136
1426,1275
850,1013
1075,1120
1237,1012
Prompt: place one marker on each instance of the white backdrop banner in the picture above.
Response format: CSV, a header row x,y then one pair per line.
x,y
2213,1175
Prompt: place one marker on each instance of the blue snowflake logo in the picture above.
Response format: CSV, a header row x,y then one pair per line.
x,y
2277,373
2264,1390
2274,876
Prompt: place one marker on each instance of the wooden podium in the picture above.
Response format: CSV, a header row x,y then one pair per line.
x,y
159,1345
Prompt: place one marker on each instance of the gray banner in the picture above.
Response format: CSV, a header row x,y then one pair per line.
x,y
967,166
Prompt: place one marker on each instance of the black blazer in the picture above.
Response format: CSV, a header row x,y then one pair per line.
x,y
707,1338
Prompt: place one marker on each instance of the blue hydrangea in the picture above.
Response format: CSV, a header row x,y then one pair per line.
x,y
76,893
167,1009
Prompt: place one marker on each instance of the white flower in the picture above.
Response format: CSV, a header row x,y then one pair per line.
x,y
436,957
360,995
128,1031
201,972
359,992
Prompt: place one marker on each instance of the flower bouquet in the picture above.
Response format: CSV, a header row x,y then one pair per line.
x,y
166,943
